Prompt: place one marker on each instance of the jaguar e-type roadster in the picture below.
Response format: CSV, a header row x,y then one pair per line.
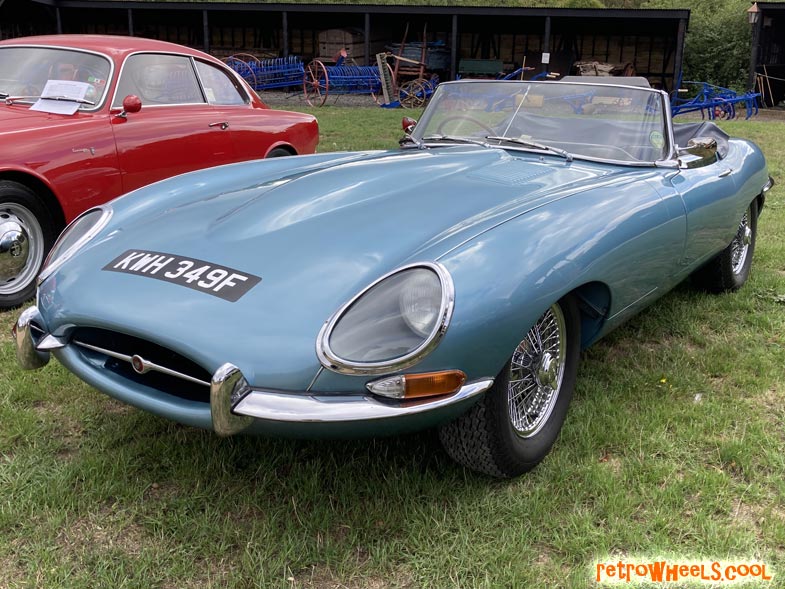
x,y
450,283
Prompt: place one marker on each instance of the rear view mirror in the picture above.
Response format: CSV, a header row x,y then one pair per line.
x,y
131,104
700,151
408,124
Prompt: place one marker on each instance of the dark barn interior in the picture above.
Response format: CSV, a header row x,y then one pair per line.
x,y
470,40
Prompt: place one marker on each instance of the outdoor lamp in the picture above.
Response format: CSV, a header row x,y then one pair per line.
x,y
753,14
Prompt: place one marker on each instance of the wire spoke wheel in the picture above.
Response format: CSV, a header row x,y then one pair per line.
x,y
516,423
316,83
730,268
536,373
740,246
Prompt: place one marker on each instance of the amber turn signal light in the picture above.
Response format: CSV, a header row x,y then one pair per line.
x,y
416,386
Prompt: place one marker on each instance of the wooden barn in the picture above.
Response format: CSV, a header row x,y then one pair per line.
x,y
767,61
461,40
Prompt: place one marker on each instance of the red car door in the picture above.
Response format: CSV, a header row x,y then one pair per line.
x,y
176,131
254,130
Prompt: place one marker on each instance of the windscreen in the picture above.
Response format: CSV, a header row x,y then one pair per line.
x,y
608,122
25,71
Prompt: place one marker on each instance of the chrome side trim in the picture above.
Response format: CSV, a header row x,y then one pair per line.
x,y
27,356
228,385
333,362
341,408
145,363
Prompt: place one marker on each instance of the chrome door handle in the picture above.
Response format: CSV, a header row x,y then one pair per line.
x,y
726,173
223,124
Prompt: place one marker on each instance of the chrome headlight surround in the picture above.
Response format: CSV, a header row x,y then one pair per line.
x,y
332,361
78,232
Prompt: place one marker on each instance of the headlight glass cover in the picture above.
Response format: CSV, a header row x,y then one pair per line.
x,y
74,236
391,324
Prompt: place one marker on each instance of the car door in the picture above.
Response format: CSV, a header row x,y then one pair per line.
x,y
176,130
708,195
253,130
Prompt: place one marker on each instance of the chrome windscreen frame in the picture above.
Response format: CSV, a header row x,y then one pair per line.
x,y
51,265
333,362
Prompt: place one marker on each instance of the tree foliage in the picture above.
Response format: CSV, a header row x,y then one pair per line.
x,y
717,47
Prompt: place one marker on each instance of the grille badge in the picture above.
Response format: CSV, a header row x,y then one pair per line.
x,y
139,364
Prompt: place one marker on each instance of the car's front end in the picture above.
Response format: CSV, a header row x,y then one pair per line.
x,y
234,299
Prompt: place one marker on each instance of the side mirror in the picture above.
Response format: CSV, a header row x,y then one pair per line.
x,y
408,124
700,151
131,104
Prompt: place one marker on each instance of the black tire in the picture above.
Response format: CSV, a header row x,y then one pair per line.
x,y
279,152
27,233
495,436
730,269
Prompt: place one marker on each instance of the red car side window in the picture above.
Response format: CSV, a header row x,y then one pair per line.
x,y
219,86
159,79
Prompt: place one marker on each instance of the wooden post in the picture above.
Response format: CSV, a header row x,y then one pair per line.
x,y
367,38
454,47
285,27
206,31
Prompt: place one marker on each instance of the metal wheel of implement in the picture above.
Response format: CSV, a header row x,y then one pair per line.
x,y
241,63
413,93
316,83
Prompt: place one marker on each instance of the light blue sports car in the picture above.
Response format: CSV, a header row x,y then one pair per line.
x,y
450,283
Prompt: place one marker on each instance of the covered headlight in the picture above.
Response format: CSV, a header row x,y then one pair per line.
x,y
74,236
391,324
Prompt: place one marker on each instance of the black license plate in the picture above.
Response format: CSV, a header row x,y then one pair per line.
x,y
220,281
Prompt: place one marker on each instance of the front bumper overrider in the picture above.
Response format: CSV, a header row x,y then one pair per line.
x,y
235,406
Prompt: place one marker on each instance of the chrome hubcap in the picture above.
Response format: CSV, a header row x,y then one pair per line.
x,y
21,248
548,371
536,373
740,246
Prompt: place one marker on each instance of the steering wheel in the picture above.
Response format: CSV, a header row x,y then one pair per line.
x,y
445,122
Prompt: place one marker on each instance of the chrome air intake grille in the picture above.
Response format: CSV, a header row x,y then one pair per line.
x,y
144,362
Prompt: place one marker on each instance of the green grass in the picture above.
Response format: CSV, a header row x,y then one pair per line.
x,y
674,446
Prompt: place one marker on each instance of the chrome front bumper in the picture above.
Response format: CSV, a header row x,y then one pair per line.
x,y
235,406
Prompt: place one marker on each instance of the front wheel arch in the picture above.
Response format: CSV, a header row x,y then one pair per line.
x,y
514,425
44,192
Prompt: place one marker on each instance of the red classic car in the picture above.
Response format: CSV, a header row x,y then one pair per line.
x,y
85,118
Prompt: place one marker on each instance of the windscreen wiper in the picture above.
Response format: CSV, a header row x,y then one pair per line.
x,y
11,99
69,99
454,139
526,143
